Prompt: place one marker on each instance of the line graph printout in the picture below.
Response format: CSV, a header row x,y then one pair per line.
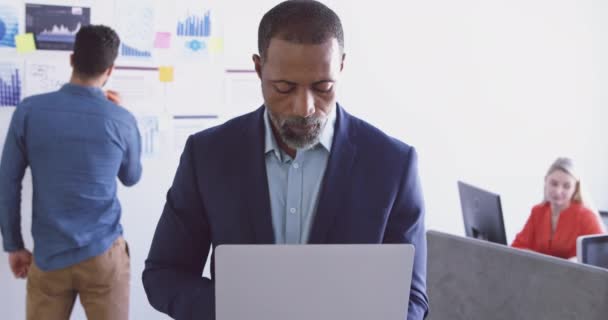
x,y
55,27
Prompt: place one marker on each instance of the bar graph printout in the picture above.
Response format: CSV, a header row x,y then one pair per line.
x,y
10,84
135,24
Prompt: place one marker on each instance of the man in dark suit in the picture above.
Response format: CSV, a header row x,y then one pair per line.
x,y
299,170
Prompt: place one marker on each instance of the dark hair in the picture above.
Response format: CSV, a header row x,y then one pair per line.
x,y
95,49
299,21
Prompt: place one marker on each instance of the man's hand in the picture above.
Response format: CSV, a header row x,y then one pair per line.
x,y
114,96
20,262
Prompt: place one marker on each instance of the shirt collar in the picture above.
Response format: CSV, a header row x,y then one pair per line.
x,y
325,140
82,90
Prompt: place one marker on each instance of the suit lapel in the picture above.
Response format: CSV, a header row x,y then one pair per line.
x,y
255,182
335,185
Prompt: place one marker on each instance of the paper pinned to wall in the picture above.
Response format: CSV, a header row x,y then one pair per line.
x,y
197,89
55,27
45,76
10,24
198,30
243,92
139,88
135,24
184,126
11,79
149,130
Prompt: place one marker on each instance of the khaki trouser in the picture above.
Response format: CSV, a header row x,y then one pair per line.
x,y
102,282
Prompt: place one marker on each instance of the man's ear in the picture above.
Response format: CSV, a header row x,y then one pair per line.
x,y
257,63
110,70
72,60
342,63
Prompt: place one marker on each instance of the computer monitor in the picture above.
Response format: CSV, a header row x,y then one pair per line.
x,y
593,250
604,216
482,214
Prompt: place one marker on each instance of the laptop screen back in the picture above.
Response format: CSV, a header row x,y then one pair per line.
x,y
321,282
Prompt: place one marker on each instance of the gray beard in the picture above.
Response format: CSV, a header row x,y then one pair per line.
x,y
299,142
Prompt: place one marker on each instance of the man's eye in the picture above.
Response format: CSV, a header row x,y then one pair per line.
x,y
284,87
323,87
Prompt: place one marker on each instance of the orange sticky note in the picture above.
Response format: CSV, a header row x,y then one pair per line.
x,y
25,43
216,45
165,74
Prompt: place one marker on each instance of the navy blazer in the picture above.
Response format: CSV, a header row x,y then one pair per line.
x,y
370,194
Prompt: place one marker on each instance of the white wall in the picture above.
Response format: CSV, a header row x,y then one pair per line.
x,y
488,91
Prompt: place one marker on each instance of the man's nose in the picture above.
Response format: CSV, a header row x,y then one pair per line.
x,y
304,105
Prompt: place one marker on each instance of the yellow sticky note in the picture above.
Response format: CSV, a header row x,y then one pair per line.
x,y
25,43
165,74
216,45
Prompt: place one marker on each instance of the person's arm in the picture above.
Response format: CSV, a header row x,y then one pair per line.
x,y
173,273
130,168
524,237
406,225
591,224
114,96
12,169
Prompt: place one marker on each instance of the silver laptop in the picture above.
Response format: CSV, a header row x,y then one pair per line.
x,y
321,282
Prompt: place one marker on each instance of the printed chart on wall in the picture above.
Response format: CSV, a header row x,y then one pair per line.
x,y
197,29
135,25
199,70
143,95
149,128
185,126
46,76
243,92
10,84
55,27
9,25
141,91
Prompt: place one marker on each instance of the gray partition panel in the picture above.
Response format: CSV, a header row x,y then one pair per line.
x,y
470,279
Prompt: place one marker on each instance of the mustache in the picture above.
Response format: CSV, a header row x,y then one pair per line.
x,y
301,121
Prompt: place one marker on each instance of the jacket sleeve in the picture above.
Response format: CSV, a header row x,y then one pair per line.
x,y
12,169
172,276
406,225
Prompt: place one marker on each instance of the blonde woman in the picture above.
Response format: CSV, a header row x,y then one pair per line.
x,y
563,216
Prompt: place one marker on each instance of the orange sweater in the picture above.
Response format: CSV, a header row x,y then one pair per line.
x,y
573,222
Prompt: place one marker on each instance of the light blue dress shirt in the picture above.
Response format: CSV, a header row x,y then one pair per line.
x,y
295,184
76,143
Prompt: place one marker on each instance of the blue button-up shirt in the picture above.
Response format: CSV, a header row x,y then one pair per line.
x,y
76,143
294,184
